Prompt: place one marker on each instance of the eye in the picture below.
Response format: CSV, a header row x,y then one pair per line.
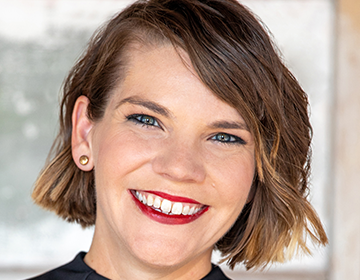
x,y
143,119
227,139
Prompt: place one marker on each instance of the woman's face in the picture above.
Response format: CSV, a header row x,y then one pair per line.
x,y
168,138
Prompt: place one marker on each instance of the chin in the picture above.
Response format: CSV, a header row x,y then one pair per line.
x,y
158,256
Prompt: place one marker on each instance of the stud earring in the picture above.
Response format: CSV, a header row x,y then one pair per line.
x,y
84,160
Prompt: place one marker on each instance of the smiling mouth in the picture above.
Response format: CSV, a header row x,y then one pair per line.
x,y
169,210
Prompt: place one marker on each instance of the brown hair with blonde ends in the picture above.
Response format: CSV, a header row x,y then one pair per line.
x,y
235,58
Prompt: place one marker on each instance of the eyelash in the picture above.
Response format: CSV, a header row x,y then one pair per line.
x,y
228,139
144,120
148,121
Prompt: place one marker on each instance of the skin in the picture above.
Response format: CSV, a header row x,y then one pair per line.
x,y
181,153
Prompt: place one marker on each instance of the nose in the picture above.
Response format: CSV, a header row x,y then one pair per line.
x,y
180,161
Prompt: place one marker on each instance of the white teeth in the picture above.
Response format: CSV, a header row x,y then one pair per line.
x,y
157,202
176,208
166,206
185,210
150,200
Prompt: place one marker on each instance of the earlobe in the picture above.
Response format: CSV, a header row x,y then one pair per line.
x,y
81,136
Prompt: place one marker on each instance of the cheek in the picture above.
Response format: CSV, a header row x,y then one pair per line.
x,y
231,185
116,156
121,152
234,178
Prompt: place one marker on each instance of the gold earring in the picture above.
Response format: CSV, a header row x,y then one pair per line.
x,y
84,160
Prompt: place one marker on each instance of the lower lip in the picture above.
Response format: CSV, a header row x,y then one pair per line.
x,y
167,219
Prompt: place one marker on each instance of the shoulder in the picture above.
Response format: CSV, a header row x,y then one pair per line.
x,y
74,270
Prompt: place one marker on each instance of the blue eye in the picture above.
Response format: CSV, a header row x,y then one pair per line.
x,y
144,119
227,138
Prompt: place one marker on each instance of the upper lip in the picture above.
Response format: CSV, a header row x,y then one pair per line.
x,y
173,198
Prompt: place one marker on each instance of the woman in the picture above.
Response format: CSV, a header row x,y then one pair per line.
x,y
181,132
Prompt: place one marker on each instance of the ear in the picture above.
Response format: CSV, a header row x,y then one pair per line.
x,y
81,136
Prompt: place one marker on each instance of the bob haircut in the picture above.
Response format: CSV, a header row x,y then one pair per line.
x,y
235,58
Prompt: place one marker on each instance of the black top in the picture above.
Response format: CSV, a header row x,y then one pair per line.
x,y
79,270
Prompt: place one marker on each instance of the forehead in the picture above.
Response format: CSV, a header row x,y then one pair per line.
x,y
158,55
152,68
165,73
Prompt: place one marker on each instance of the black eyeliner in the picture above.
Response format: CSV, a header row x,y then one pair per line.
x,y
238,140
134,118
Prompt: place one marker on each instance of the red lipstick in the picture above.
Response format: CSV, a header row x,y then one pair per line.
x,y
167,218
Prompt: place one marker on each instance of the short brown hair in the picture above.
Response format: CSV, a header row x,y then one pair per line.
x,y
234,57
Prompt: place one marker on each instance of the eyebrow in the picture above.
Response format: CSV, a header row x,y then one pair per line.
x,y
229,125
136,100
153,106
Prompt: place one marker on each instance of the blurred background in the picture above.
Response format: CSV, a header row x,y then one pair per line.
x,y
40,41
